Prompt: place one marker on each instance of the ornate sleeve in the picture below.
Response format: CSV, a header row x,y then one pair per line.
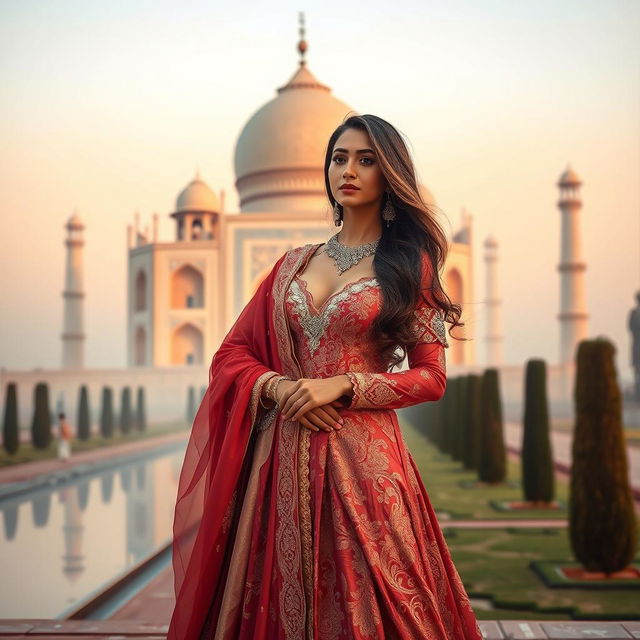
x,y
426,378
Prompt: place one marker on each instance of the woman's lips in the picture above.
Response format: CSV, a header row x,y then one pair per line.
x,y
349,189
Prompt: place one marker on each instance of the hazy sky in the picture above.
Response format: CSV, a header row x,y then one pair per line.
x,y
110,108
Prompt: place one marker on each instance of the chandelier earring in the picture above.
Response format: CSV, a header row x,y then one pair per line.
x,y
337,215
388,211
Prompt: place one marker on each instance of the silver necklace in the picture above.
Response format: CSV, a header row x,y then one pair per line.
x,y
346,257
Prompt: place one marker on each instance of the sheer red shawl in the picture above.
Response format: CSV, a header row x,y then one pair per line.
x,y
211,479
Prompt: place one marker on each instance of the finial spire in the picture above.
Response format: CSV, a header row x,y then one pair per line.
x,y
302,43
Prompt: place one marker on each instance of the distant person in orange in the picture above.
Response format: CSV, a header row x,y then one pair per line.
x,y
64,438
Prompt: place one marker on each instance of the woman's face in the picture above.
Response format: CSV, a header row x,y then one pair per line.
x,y
353,161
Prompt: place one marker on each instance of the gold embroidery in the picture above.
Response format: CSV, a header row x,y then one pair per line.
x,y
372,390
292,596
305,523
228,514
379,552
236,599
383,390
315,324
375,533
255,407
428,325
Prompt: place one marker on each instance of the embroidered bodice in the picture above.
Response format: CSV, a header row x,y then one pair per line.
x,y
334,339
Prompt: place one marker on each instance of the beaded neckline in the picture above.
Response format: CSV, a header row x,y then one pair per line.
x,y
333,295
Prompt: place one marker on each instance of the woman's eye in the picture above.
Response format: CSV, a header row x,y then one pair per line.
x,y
369,161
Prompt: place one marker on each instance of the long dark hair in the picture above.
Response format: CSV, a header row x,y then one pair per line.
x,y
397,262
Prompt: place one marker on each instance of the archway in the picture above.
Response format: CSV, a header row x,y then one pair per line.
x,y
187,345
140,302
187,288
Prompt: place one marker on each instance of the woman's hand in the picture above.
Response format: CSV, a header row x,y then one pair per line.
x,y
312,401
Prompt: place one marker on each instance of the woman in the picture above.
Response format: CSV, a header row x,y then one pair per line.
x,y
300,511
64,438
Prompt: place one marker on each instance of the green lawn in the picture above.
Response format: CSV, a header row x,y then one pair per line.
x,y
442,475
494,563
26,452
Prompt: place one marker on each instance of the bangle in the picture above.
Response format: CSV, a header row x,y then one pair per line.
x,y
271,387
266,390
275,388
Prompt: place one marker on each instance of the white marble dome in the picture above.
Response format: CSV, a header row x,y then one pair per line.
x,y
197,196
280,152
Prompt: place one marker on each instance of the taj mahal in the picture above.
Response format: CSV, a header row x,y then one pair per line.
x,y
184,294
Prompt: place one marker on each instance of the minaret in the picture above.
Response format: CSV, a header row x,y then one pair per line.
x,y
493,303
573,314
73,329
73,559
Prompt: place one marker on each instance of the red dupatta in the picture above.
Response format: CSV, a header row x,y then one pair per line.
x,y
212,475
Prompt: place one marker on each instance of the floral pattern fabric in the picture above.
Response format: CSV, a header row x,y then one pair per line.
x,y
337,538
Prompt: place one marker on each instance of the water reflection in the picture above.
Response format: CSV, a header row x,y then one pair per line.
x,y
83,494
73,558
10,521
125,479
106,486
40,507
83,535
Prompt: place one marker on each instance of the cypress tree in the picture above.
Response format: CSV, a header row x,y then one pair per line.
x,y
465,413
425,412
424,417
448,414
493,458
472,460
141,411
438,420
84,426
468,450
456,433
602,522
437,415
191,405
537,459
10,426
41,435
106,413
126,417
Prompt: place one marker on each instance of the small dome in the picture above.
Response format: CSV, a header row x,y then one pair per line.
x,y
490,242
569,178
197,196
74,222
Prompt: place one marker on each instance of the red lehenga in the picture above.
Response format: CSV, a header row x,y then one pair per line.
x,y
284,533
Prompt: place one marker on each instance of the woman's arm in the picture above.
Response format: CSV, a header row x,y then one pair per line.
x,y
425,380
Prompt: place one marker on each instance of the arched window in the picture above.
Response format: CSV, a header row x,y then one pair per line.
x,y
187,345
187,288
140,302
